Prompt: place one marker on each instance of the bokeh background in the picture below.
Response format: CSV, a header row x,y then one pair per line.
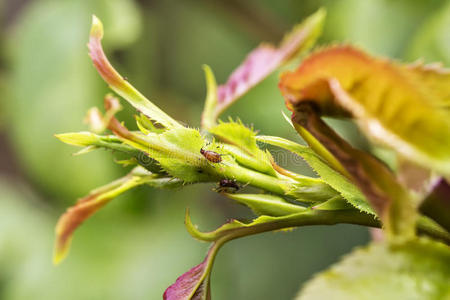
x,y
137,246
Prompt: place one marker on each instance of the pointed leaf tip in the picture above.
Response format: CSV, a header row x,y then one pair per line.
x,y
192,285
266,58
96,28
208,115
82,139
89,205
119,84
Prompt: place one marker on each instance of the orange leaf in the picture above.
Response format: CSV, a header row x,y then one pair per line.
x,y
406,107
86,207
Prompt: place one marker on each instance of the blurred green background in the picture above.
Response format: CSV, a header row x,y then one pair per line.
x,y
137,245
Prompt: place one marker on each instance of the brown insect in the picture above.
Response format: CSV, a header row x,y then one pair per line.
x,y
225,184
211,155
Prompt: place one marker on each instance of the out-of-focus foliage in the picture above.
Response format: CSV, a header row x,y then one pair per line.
x,y
416,270
51,85
47,82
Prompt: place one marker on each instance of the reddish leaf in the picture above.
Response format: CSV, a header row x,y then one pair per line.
x,y
265,59
194,284
87,206
118,83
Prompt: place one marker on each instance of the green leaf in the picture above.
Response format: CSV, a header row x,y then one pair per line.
x,y
393,203
178,152
208,115
244,147
265,204
418,269
330,176
93,141
181,158
83,138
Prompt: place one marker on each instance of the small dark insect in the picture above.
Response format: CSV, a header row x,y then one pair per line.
x,y
211,155
228,185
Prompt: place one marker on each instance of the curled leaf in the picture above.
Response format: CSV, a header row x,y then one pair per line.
x,y
235,229
194,284
265,59
404,107
94,118
119,84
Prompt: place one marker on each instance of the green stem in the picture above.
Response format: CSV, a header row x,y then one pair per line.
x,y
254,178
316,217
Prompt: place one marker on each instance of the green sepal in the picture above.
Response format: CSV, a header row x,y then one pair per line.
x,y
145,125
242,141
337,203
266,204
311,190
93,141
329,175
208,115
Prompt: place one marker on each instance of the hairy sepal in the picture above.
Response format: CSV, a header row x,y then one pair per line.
x,y
243,147
329,175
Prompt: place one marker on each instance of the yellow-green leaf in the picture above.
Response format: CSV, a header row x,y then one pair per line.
x,y
418,269
403,106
